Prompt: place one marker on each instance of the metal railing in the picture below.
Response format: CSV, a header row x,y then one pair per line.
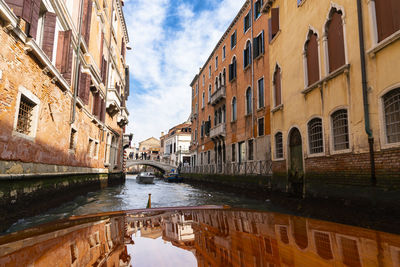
x,y
232,168
218,95
219,130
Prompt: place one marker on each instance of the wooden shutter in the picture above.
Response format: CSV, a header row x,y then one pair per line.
x,y
127,81
101,47
103,69
17,6
86,20
387,17
269,30
278,89
336,42
48,34
97,105
103,111
274,21
34,18
64,54
84,87
234,68
230,72
312,59
255,47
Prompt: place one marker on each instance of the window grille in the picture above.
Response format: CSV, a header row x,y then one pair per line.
x,y
251,150
25,114
392,115
350,253
72,139
323,245
315,137
340,130
278,146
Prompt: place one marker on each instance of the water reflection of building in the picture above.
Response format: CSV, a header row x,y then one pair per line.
x,y
238,238
178,230
90,244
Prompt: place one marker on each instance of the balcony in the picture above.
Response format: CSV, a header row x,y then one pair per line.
x,y
218,131
113,101
218,95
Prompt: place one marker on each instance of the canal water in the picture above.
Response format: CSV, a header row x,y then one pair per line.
x,y
132,195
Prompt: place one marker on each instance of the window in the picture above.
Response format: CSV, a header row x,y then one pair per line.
x,y
233,39
234,107
257,9
248,101
224,77
233,152
208,157
232,70
95,149
336,54
223,53
25,115
197,89
278,146
391,103
315,137
216,62
72,139
247,22
90,148
258,45
260,93
277,86
247,55
251,149
284,234
387,17
202,129
350,254
340,130
209,71
260,126
273,24
209,93
311,53
202,100
323,245
204,80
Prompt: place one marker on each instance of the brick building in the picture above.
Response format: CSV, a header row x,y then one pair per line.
x,y
64,83
231,100
335,119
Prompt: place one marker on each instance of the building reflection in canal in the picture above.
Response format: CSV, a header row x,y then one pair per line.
x,y
215,237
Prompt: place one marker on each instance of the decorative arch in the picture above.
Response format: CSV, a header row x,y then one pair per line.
x,y
311,57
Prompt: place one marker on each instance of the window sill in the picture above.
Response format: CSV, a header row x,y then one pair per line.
x,y
344,69
24,136
382,44
277,108
278,159
275,37
260,109
233,80
316,155
338,152
388,146
259,56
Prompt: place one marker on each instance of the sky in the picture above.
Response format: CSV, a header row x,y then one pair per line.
x,y
170,41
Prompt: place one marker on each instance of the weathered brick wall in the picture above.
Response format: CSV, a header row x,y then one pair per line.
x,y
279,176
51,144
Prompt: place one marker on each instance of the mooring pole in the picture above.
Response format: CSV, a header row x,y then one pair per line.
x,y
149,202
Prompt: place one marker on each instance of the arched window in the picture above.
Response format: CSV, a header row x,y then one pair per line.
x,y
232,69
391,103
311,53
315,138
216,83
202,102
224,77
234,107
278,145
247,55
335,36
387,17
209,93
248,101
340,128
277,86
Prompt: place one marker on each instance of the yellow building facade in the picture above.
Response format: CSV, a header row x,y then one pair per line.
x,y
334,118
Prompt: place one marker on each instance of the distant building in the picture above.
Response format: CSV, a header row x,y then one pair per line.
x,y
176,145
149,149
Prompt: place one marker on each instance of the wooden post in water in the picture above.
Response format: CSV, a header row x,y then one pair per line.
x,y
149,202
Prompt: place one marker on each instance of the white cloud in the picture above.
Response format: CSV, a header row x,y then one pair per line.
x,y
165,61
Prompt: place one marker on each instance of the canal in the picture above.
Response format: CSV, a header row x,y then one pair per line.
x,y
132,195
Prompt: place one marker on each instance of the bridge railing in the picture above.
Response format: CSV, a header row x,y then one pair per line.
x,y
233,168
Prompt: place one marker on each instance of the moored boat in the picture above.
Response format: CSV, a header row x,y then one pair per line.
x,y
145,178
173,178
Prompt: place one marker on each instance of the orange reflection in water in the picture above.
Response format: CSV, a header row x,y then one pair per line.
x,y
210,237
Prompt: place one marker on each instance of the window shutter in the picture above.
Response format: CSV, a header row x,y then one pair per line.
x,y
270,30
234,69
103,111
27,10
84,87
230,72
86,22
262,42
64,54
244,58
387,17
275,21
34,18
336,42
312,60
17,6
255,47
101,48
103,69
48,34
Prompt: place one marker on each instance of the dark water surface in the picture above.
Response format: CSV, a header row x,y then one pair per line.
x,y
132,195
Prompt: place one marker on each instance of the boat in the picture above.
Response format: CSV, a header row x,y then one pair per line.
x,y
173,177
145,178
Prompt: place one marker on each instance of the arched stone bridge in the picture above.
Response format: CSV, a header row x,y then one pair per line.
x,y
163,167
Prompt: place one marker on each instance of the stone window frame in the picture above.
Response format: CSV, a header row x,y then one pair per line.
x,y
331,142
35,114
323,153
275,146
382,120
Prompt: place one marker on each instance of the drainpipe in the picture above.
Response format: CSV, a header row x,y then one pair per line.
x,y
77,64
252,72
368,129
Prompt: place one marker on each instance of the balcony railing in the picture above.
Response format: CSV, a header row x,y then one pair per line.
x,y
218,131
218,95
233,168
